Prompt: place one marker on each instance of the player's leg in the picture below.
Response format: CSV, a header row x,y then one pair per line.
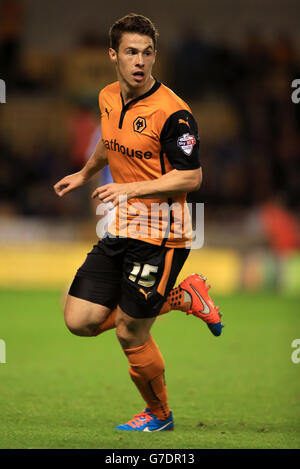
x,y
149,273
83,317
110,321
191,297
95,290
146,371
132,332
149,285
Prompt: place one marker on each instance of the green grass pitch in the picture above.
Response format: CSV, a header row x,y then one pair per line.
x,y
240,390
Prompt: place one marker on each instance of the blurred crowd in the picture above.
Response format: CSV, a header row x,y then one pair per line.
x,y
241,98
260,157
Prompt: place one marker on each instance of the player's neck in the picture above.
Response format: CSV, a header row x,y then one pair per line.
x,y
129,93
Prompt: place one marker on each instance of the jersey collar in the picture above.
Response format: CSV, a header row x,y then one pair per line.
x,y
152,90
143,96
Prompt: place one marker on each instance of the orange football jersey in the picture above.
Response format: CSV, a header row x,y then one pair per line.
x,y
144,139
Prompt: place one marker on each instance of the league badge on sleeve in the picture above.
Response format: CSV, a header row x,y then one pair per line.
x,y
186,143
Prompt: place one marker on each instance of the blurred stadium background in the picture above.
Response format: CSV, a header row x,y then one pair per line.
x,y
235,70
232,61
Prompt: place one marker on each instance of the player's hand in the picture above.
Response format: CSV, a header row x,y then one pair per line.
x,y
114,193
69,183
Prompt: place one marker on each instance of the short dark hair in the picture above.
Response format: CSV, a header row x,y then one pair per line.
x,y
132,23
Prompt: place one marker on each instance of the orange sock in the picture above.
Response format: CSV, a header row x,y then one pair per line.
x,y
147,373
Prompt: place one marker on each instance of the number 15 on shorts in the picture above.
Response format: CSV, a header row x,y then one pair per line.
x,y
145,270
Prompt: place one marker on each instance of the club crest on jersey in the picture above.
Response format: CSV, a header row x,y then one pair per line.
x,y
186,142
139,124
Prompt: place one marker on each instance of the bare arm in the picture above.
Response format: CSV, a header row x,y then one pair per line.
x,y
96,162
168,185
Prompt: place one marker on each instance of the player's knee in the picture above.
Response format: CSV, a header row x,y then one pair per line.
x,y
77,326
124,336
130,335
74,326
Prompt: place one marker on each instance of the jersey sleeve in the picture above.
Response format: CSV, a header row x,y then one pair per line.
x,y
180,142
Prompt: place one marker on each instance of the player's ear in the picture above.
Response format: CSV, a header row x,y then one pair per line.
x,y
113,55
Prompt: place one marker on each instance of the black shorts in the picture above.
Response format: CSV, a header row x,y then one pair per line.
x,y
135,275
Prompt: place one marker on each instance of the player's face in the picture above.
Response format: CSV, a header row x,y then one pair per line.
x,y
134,60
